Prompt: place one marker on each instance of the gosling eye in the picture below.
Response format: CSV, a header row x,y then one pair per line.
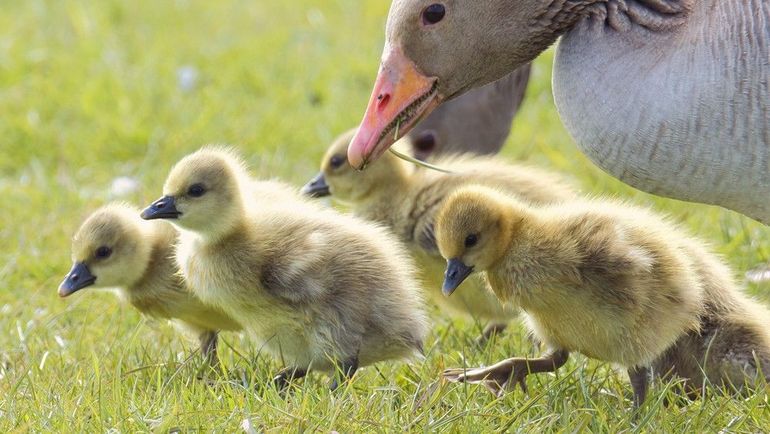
x,y
471,240
103,252
196,190
336,161
433,14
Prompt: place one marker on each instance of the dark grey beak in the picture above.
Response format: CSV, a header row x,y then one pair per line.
x,y
78,278
456,273
163,208
316,187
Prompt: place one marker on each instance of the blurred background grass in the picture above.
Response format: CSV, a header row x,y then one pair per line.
x,y
99,98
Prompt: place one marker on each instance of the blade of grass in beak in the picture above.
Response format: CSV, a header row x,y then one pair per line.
x,y
418,162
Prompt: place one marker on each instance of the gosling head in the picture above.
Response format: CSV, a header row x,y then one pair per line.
x,y
474,228
340,180
111,249
202,193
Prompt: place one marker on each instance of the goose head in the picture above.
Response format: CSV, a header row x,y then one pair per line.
x,y
438,49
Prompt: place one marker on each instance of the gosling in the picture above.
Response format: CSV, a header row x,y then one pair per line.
x,y
732,347
406,200
114,248
611,281
319,289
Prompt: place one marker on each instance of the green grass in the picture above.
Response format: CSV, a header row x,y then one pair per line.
x,y
89,92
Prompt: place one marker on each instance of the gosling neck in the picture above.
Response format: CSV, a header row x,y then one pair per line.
x,y
231,217
552,250
532,249
390,190
160,269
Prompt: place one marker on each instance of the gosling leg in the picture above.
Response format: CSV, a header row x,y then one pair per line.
x,y
640,382
490,331
208,347
344,373
497,378
286,375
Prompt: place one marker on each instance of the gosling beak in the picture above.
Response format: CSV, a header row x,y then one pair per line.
x,y
163,208
78,278
402,95
316,187
456,273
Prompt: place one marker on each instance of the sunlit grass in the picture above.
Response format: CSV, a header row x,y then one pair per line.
x,y
92,91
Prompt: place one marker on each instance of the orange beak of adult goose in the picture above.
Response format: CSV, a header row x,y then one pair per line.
x,y
402,96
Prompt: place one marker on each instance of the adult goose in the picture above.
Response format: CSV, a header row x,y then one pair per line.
x,y
670,96
478,121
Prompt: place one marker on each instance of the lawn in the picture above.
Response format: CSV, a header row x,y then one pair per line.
x,y
97,95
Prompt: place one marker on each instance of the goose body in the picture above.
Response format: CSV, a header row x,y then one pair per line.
x,y
684,112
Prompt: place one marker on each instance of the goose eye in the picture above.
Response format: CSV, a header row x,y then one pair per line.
x,y
433,14
471,240
336,161
196,190
103,252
